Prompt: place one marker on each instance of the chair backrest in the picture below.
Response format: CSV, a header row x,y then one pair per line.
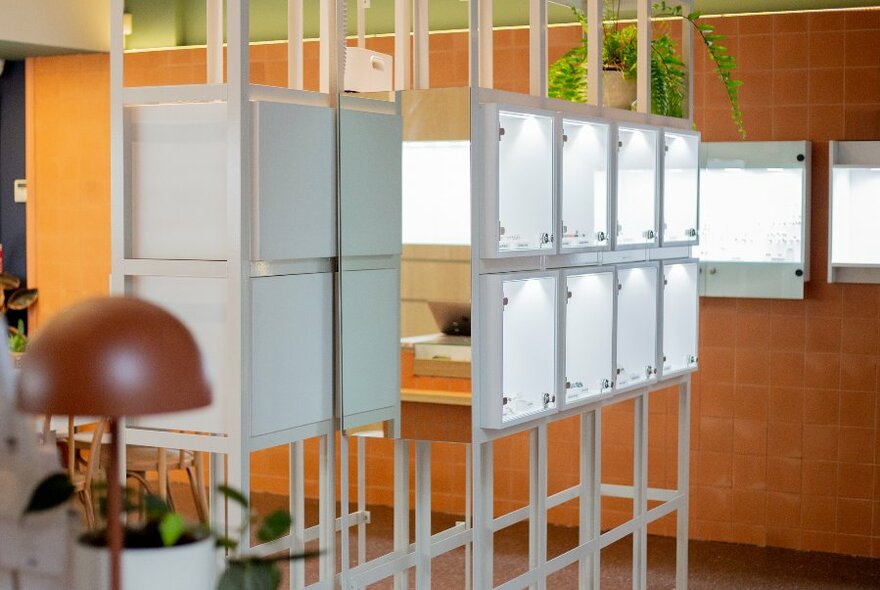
x,y
72,459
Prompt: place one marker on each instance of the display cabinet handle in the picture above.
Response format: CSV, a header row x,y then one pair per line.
x,y
501,230
504,400
691,232
649,370
501,133
692,359
504,302
650,234
568,384
606,383
601,237
564,138
713,270
799,272
545,238
548,399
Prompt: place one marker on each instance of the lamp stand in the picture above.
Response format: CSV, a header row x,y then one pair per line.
x,y
114,509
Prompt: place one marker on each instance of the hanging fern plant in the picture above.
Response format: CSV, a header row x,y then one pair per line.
x,y
568,75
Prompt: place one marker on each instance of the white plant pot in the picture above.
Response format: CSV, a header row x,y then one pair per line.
x,y
187,567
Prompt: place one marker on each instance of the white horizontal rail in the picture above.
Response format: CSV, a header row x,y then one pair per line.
x,y
208,443
310,534
181,93
202,269
289,96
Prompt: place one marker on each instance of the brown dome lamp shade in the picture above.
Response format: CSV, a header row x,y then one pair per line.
x,y
112,357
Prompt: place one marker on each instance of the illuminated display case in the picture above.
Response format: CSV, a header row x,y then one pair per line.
x,y
584,195
589,329
681,188
520,181
636,210
754,218
519,342
680,313
637,302
854,244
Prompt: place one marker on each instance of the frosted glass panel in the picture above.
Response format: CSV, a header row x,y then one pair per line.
x,y
855,211
680,188
588,331
584,184
751,215
680,317
636,325
525,182
528,347
436,192
636,186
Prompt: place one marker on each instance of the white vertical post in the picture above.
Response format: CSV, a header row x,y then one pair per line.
x,y
331,44
420,44
538,500
484,539
362,23
298,512
344,511
538,47
238,176
640,490
594,51
468,517
486,47
423,515
327,509
362,498
643,63
590,496
402,26
401,506
687,52
295,44
214,38
119,204
215,504
684,454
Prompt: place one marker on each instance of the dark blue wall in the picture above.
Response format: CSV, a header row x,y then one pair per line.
x,y
12,150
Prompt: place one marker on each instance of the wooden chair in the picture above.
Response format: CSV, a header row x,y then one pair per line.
x,y
81,445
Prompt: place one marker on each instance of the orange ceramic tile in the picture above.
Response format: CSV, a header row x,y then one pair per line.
x,y
821,406
786,404
790,51
826,22
716,328
750,437
858,372
821,370
790,122
757,120
752,366
758,89
821,442
862,49
785,439
755,24
861,122
855,480
826,123
819,477
819,54
862,85
716,469
750,534
717,364
790,87
755,53
716,434
790,23
786,370
857,408
854,516
854,545
783,510
861,301
752,402
818,513
715,504
866,19
788,332
856,445
749,506
822,299
787,538
826,86
784,475
749,472
819,541
717,400
860,336
752,331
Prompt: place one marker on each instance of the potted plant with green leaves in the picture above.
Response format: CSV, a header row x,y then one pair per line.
x,y
14,297
568,75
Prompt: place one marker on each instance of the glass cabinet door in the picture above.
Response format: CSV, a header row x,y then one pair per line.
x,y
680,308
681,180
525,182
636,186
855,211
518,373
584,184
589,325
636,325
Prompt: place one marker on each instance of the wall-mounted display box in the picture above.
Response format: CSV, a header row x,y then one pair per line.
x,y
680,314
585,188
754,218
854,244
518,347
681,188
520,180
637,302
636,210
589,332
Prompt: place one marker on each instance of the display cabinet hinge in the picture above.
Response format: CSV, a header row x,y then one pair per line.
x,y
564,138
568,384
649,371
546,238
650,234
567,295
606,383
564,229
691,232
619,370
665,281
692,359
501,230
619,145
619,286
666,148
504,302
501,133
548,399
504,400
601,237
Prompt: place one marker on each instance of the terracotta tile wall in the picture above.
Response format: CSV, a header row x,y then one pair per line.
x,y
784,420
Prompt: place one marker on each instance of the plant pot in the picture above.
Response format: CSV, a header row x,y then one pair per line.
x,y
17,357
617,92
189,567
